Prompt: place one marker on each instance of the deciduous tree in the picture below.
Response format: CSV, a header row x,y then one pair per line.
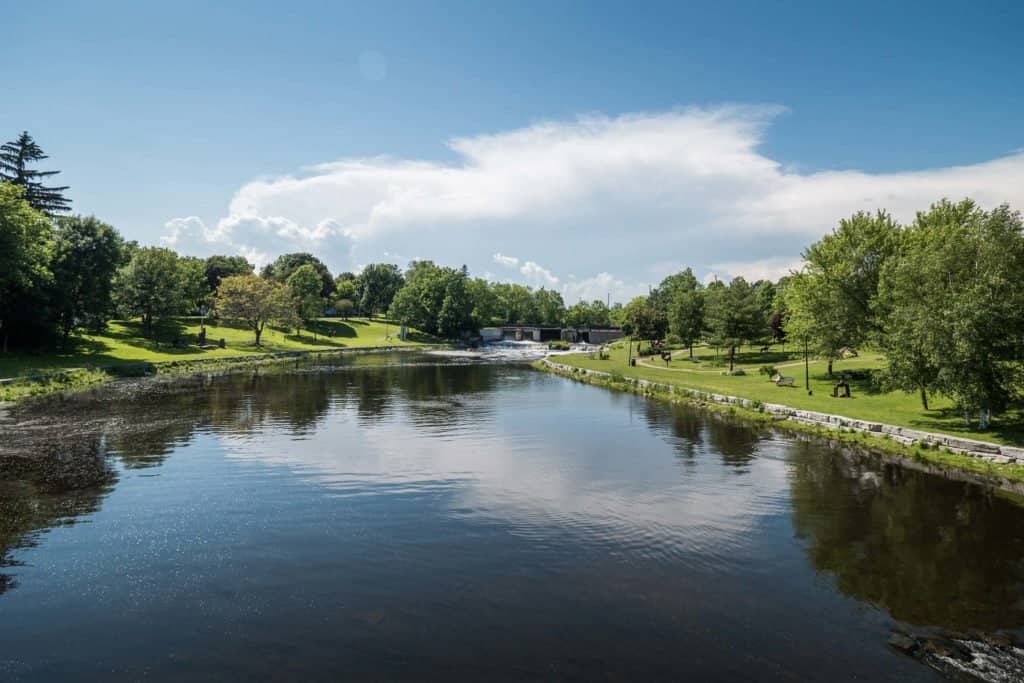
x,y
87,254
254,301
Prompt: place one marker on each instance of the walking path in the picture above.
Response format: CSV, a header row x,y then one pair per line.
x,y
643,362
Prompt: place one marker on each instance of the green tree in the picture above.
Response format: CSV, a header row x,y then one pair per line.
x,y
15,158
344,300
830,303
588,315
254,301
734,316
456,314
286,264
953,307
435,299
195,288
377,286
149,286
305,285
686,308
87,254
516,304
642,320
549,306
26,247
486,305
219,267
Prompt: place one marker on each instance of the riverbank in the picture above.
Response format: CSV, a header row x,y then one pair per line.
x,y
984,462
122,352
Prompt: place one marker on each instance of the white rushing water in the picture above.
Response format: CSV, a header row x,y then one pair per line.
x,y
508,350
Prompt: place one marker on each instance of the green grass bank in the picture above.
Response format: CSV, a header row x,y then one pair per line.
x,y
122,350
694,382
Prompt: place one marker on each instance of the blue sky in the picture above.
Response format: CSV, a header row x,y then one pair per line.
x,y
604,143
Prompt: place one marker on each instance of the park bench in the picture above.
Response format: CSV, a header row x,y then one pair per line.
x,y
781,381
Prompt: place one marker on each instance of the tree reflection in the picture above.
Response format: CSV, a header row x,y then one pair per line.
x,y
733,440
44,483
930,551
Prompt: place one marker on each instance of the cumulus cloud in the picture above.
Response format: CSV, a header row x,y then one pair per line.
x,y
597,194
507,261
538,275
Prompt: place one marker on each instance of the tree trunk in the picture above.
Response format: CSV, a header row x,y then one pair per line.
x,y
924,398
259,332
830,368
691,350
147,321
732,356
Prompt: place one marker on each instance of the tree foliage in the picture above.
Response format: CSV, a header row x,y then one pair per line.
x,y
305,286
377,286
26,247
254,301
218,267
685,307
734,315
643,320
286,264
15,158
150,286
86,255
830,303
952,303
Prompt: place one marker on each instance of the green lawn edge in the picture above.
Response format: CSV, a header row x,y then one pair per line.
x,y
122,351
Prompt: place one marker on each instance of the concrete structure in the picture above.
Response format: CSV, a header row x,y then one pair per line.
x,y
591,335
546,333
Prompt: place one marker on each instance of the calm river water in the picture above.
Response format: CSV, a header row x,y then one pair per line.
x,y
413,517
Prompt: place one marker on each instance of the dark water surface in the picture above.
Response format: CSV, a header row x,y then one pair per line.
x,y
411,517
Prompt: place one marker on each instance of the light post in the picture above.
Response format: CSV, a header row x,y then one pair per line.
x,y
807,370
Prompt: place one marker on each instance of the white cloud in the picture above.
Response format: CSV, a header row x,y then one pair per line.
x,y
184,231
507,261
594,195
537,275
762,269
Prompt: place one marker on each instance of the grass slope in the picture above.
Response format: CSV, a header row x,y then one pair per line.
x,y
122,343
866,403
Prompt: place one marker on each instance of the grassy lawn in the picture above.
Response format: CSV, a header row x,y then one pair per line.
x,y
123,343
866,403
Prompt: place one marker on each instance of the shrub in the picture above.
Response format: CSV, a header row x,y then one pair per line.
x,y
734,373
769,370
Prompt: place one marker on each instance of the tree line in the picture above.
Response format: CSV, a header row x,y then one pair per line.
x,y
61,273
942,297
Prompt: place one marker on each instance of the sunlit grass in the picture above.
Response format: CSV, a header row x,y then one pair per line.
x,y
123,343
867,401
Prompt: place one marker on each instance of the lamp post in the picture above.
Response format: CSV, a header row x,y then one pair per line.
x,y
807,370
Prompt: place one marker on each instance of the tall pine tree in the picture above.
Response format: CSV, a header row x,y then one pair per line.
x,y
15,158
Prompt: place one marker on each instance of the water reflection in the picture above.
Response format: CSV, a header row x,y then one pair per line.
x,y
930,551
46,482
429,507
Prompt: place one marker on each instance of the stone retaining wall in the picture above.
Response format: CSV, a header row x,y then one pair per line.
x,y
976,449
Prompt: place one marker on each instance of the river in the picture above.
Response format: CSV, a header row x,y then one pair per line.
x,y
413,516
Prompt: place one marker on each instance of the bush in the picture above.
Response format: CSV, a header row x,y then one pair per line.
x,y
559,346
769,370
734,373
